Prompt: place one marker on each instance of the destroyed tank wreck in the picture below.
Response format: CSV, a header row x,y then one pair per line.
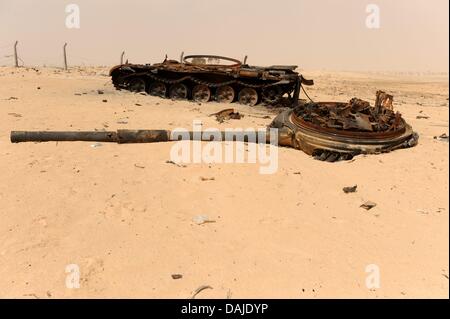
x,y
203,78
329,131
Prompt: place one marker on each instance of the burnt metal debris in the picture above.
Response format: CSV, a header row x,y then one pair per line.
x,y
333,131
329,131
202,78
227,114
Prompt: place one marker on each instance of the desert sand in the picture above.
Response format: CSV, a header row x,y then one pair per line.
x,y
125,216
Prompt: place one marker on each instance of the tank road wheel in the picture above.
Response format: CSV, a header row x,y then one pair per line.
x,y
157,89
136,85
225,94
178,91
272,95
248,96
201,93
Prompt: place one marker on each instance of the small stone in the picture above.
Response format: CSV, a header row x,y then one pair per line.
x,y
204,179
177,276
202,219
350,189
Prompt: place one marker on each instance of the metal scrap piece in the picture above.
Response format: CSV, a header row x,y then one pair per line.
x,y
350,189
368,205
226,115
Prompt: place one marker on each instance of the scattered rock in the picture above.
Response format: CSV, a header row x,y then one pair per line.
x,y
177,276
350,189
368,205
422,117
176,164
100,92
137,104
204,179
95,145
104,101
15,114
38,88
442,137
12,98
79,94
202,219
138,166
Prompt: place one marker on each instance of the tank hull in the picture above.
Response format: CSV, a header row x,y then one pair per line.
x,y
203,82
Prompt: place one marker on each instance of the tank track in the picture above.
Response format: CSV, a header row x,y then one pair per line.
x,y
209,84
280,89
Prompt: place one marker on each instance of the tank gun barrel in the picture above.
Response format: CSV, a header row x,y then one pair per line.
x,y
129,136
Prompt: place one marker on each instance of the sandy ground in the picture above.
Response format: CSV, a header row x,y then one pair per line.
x,y
125,216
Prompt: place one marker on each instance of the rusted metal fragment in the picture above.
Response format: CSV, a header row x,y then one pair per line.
x,y
226,114
350,189
368,205
384,101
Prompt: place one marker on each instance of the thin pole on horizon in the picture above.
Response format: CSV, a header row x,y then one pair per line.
x,y
16,59
121,57
65,56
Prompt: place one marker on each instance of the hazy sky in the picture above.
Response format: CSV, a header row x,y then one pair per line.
x,y
314,34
